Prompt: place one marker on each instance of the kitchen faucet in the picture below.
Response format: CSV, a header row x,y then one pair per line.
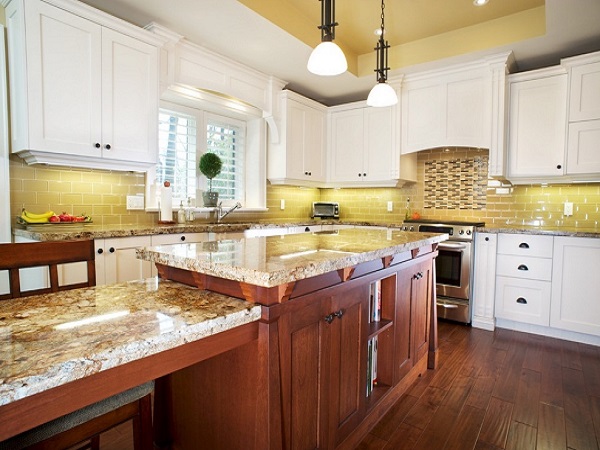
x,y
221,215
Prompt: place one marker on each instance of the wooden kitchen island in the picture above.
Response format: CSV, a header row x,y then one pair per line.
x,y
333,306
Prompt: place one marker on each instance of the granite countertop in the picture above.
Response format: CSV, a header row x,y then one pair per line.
x,y
276,260
548,231
49,340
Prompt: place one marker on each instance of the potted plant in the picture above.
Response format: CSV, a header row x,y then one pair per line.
x,y
210,165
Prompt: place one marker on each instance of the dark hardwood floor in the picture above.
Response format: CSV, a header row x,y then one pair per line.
x,y
500,390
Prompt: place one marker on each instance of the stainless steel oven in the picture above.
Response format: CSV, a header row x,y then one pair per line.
x,y
453,266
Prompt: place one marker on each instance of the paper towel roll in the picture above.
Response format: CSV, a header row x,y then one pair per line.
x,y
166,204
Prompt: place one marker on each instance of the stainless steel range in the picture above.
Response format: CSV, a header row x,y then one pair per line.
x,y
453,265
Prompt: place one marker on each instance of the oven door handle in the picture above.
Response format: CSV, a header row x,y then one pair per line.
x,y
447,246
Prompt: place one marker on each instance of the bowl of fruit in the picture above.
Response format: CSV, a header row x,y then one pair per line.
x,y
49,217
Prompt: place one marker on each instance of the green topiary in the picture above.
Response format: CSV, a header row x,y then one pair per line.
x,y
210,166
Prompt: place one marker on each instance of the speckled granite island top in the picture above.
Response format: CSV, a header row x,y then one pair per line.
x,y
276,260
49,340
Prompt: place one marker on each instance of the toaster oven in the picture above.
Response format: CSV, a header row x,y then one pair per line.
x,y
326,210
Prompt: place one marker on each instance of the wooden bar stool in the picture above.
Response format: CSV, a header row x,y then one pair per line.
x,y
86,424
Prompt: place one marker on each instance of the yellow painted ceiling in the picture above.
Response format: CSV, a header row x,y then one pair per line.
x,y
418,30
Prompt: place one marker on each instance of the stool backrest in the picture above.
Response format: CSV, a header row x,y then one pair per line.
x,y
48,254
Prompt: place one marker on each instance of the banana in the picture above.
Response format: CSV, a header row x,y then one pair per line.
x,y
35,216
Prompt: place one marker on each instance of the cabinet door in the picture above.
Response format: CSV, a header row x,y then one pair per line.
x,y
422,281
537,127
129,98
347,138
381,154
347,336
575,285
525,301
484,280
117,261
583,156
305,142
413,304
584,100
303,361
64,81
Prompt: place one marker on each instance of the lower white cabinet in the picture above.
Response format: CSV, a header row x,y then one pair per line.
x,y
526,301
575,302
523,274
484,280
116,260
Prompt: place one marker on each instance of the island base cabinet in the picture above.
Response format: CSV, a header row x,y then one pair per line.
x,y
309,382
323,366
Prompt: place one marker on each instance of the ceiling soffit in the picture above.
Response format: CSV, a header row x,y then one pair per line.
x,y
418,31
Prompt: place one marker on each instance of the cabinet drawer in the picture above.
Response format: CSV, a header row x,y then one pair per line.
x,y
526,301
525,245
524,267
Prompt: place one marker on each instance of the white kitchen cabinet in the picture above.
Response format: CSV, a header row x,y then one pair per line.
x,y
116,260
448,109
363,147
299,156
575,304
537,125
584,87
583,149
583,157
523,278
484,280
84,86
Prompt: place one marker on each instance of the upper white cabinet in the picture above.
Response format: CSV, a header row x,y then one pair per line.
x,y
575,285
537,125
447,110
84,86
363,147
299,156
583,157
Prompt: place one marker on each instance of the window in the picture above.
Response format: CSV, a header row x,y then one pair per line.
x,y
184,135
226,139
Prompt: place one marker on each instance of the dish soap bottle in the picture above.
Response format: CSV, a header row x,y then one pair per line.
x,y
407,213
181,213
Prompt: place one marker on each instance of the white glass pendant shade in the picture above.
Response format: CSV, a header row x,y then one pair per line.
x,y
382,95
327,59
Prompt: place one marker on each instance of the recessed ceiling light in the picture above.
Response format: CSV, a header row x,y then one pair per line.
x,y
480,2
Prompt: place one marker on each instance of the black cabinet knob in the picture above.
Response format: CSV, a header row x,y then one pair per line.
x,y
559,166
487,239
112,249
364,174
97,145
107,146
329,318
182,238
339,314
307,229
100,251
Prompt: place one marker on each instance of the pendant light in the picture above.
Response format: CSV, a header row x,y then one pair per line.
x,y
382,93
327,58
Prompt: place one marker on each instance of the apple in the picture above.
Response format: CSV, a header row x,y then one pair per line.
x,y
64,217
54,219
167,183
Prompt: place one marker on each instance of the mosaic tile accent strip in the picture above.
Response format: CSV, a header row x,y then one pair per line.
x,y
456,183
